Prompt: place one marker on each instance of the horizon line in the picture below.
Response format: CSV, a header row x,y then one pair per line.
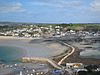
x,y
52,22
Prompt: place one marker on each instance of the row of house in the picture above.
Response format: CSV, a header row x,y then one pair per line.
x,y
49,31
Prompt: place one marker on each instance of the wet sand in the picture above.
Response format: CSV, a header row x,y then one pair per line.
x,y
75,58
40,49
60,51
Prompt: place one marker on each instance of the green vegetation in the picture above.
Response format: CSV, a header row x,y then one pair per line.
x,y
11,26
82,26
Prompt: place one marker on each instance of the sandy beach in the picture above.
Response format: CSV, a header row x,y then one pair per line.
x,y
46,49
11,37
41,49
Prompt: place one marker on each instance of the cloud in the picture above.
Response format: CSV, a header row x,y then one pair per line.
x,y
46,4
11,7
58,3
95,5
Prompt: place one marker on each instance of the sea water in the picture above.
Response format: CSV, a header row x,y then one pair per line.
x,y
91,52
12,50
10,54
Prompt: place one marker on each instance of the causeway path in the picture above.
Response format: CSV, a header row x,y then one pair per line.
x,y
68,54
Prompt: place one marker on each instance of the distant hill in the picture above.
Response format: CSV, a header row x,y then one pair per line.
x,y
25,23
14,23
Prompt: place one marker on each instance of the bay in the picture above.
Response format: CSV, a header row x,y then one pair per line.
x,y
10,54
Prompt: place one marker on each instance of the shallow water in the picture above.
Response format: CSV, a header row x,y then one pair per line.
x,y
10,54
11,50
91,52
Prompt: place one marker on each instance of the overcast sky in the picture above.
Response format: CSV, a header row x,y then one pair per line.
x,y
50,11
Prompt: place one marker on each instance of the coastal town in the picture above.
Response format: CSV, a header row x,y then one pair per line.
x,y
49,37
47,31
76,37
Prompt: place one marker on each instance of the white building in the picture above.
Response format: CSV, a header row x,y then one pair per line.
x,y
74,65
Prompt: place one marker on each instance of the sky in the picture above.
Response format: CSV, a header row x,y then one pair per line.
x,y
50,11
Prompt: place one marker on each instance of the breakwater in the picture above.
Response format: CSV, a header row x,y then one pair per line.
x,y
30,59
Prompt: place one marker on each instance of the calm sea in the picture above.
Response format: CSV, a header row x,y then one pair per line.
x,y
10,54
